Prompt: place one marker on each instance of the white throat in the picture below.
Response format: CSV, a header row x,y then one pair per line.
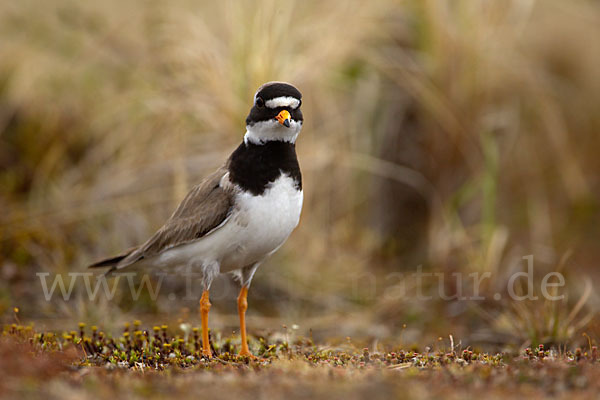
x,y
272,130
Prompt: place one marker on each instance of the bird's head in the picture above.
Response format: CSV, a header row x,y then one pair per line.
x,y
275,115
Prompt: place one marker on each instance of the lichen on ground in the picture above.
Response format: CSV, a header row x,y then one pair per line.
x,y
159,361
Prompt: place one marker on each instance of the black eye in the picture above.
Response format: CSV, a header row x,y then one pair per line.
x,y
260,103
299,103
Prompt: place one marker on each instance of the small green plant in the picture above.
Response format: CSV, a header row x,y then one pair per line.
x,y
166,348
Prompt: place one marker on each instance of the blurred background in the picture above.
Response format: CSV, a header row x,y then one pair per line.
x,y
453,136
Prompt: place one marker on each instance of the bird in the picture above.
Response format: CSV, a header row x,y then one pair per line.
x,y
239,215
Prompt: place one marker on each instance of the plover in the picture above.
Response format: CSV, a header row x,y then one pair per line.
x,y
239,215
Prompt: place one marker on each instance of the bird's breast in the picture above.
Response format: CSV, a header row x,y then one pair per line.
x,y
261,223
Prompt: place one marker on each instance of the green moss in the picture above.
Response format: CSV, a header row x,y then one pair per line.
x,y
165,349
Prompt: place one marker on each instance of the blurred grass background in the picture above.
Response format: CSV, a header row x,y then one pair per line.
x,y
456,135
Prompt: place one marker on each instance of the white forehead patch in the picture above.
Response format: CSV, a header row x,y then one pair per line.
x,y
283,101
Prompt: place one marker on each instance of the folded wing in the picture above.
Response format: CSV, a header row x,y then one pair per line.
x,y
205,208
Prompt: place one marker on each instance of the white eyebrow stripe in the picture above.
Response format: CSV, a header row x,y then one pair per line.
x,y
283,101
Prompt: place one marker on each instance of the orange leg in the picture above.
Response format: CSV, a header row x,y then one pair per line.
x,y
242,307
204,309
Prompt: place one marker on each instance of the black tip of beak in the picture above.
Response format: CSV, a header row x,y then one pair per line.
x,y
286,123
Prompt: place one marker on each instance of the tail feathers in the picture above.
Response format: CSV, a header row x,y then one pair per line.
x,y
109,262
113,261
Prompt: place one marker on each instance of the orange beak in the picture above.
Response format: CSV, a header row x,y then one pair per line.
x,y
284,118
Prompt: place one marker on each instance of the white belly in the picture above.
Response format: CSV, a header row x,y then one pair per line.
x,y
257,227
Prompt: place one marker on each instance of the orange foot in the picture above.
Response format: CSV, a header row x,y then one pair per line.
x,y
204,309
244,352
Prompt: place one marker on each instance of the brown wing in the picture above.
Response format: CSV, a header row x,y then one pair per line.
x,y
204,208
